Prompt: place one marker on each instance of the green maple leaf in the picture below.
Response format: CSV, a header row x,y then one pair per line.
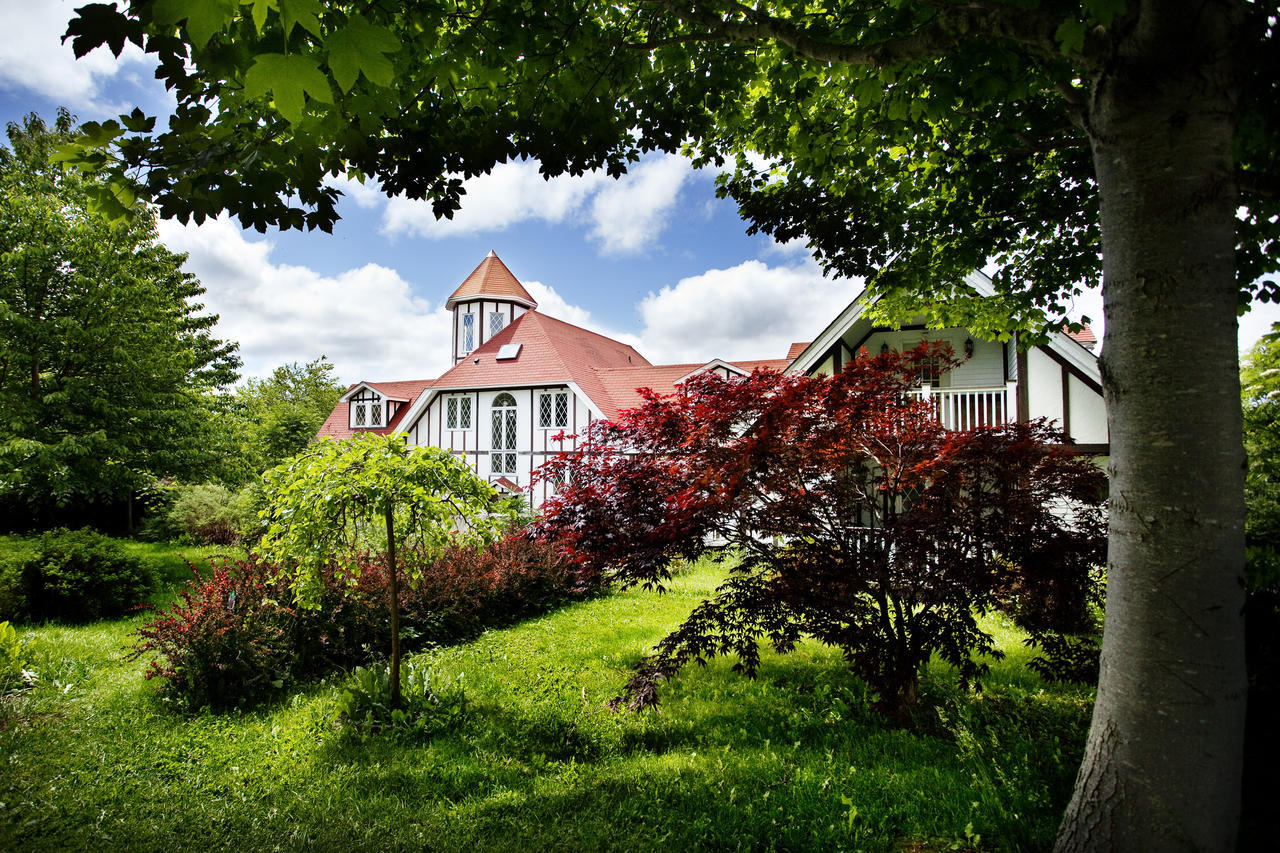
x,y
289,79
204,18
260,9
361,47
304,13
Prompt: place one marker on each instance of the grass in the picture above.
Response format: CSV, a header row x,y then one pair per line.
x,y
793,760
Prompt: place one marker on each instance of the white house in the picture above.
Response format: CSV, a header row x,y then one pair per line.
x,y
520,378
997,383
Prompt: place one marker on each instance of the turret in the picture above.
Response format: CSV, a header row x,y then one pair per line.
x,y
488,301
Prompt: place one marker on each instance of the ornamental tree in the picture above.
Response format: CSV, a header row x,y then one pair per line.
x,y
859,520
910,141
339,499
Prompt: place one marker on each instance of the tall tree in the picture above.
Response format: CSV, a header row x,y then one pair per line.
x,y
105,356
282,413
913,140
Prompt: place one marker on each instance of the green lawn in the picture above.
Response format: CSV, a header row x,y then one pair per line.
x,y
93,759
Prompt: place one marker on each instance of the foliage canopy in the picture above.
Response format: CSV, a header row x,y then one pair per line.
x,y
105,356
340,499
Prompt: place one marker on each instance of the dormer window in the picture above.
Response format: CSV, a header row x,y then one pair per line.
x,y
367,408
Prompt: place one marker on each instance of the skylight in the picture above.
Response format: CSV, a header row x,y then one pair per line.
x,y
508,351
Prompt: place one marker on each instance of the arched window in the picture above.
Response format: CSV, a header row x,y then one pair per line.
x,y
503,415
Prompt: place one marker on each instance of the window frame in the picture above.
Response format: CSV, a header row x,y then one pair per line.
x,y
468,333
458,412
553,409
366,410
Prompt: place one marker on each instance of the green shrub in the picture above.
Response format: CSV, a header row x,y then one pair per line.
x,y
80,576
14,660
211,514
365,703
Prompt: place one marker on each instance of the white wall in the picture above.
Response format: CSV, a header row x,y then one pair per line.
x,y
1044,387
1088,414
533,444
984,370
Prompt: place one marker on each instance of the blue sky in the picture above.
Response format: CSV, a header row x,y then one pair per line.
x,y
654,259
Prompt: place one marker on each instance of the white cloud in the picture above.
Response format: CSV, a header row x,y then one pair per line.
x,y
367,195
749,311
554,305
33,57
630,213
625,216
366,320
511,193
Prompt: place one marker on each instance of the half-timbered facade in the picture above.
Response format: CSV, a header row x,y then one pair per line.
x,y
523,385
997,382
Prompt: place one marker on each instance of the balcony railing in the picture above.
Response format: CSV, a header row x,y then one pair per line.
x,y
964,408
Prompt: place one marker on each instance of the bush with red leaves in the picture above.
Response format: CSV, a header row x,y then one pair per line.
x,y
860,521
236,637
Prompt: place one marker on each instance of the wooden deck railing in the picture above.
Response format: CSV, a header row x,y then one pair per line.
x,y
963,408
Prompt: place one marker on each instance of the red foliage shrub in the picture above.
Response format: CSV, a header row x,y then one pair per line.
x,y
465,589
859,519
234,638
225,641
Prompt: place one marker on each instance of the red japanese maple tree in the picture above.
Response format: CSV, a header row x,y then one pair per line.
x,y
858,519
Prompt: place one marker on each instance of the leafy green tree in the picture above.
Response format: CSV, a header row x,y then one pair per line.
x,y
105,356
341,498
912,140
1260,381
283,412
1260,389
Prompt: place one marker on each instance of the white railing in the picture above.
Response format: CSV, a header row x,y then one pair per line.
x,y
963,408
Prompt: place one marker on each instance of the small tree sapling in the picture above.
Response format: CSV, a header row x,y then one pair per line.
x,y
339,498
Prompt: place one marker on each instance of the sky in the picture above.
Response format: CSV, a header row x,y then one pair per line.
x,y
653,259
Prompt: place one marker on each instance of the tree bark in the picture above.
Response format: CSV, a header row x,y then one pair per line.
x,y
394,604
1161,768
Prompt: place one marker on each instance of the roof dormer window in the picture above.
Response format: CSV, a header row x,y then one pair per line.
x,y
367,408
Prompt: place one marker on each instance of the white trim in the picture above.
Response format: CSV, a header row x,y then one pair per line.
x,y
355,389
1059,342
421,404
712,365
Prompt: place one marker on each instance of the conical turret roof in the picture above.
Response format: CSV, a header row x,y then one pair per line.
x,y
492,279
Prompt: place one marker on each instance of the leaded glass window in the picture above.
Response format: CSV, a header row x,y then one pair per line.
x,y
457,413
503,423
468,332
553,410
497,320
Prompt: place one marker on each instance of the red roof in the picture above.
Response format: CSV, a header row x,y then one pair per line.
x,y
796,349
623,385
491,278
552,351
337,425
1085,337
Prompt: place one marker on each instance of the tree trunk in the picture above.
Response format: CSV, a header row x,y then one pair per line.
x,y
1161,768
394,604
